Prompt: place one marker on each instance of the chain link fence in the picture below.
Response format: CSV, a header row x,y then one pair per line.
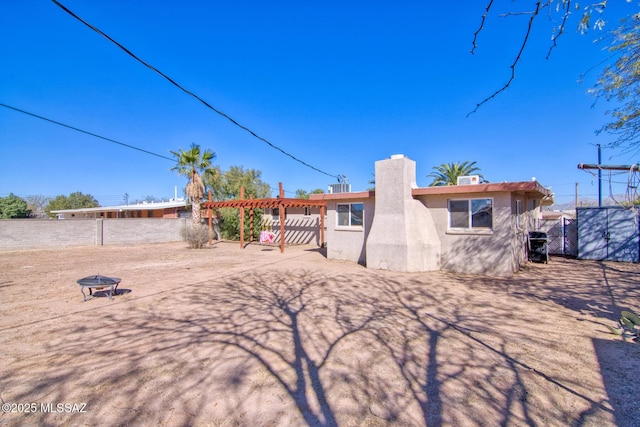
x,y
562,235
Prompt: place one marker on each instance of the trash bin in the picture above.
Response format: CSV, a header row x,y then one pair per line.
x,y
538,247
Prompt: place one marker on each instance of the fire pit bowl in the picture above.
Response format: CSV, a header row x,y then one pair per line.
x,y
99,282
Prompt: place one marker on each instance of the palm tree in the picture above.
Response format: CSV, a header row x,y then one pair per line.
x,y
191,164
448,173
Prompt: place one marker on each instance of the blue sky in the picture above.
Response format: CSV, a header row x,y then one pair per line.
x,y
339,85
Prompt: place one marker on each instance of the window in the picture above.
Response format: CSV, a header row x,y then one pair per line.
x,y
471,214
307,211
275,214
350,214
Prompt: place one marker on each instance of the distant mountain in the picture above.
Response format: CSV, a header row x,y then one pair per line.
x,y
608,201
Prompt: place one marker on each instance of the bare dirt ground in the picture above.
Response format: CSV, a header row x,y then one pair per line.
x,y
226,337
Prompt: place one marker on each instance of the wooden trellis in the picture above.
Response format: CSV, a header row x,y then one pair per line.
x,y
279,202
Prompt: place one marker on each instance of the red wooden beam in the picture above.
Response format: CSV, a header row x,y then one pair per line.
x,y
241,218
280,202
282,219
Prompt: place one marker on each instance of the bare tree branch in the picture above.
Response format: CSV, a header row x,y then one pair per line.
x,y
475,35
567,12
516,60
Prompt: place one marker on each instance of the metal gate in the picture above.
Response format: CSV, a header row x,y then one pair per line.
x,y
608,233
562,235
570,236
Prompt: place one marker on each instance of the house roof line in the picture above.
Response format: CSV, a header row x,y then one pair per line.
x,y
513,187
343,196
533,188
136,207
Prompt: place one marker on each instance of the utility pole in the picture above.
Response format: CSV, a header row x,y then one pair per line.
x,y
629,168
576,194
600,168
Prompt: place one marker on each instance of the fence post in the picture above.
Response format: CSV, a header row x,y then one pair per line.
x,y
99,231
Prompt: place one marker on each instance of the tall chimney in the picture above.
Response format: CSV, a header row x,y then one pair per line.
x,y
403,235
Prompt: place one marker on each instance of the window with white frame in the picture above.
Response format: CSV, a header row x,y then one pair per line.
x,y
350,214
307,211
471,214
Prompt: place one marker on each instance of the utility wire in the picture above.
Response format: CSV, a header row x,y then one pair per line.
x,y
205,103
105,138
88,133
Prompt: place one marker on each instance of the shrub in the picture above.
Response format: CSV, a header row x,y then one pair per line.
x,y
230,223
196,235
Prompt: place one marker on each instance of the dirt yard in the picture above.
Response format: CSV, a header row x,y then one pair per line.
x,y
231,337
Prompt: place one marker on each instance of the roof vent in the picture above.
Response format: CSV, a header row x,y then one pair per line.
x,y
469,180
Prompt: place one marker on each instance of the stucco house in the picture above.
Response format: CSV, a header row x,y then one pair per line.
x,y
478,228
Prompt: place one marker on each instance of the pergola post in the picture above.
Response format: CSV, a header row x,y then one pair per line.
x,y
281,203
251,220
281,208
210,213
322,226
241,218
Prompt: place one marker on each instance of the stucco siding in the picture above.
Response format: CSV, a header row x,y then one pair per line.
x,y
475,252
348,243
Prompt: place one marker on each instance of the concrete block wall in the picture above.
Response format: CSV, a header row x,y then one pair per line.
x,y
17,234
142,230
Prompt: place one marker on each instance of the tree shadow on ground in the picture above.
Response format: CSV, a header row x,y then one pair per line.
x,y
302,347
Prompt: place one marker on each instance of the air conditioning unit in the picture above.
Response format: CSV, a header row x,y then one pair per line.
x,y
339,188
469,180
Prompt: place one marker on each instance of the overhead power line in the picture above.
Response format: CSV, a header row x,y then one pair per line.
x,y
103,137
205,103
86,132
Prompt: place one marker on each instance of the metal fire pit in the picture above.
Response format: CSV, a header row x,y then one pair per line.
x,y
99,282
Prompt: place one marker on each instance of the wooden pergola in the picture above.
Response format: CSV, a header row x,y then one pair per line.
x,y
279,202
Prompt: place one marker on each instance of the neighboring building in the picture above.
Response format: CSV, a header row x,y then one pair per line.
x,y
175,208
478,228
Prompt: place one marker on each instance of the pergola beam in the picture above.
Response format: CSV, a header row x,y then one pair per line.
x,y
280,202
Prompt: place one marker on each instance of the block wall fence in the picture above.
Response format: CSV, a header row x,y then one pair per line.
x,y
18,234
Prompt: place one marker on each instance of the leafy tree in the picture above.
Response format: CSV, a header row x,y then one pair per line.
x,y
36,203
621,82
13,206
191,164
317,191
76,200
301,194
372,183
226,186
448,173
